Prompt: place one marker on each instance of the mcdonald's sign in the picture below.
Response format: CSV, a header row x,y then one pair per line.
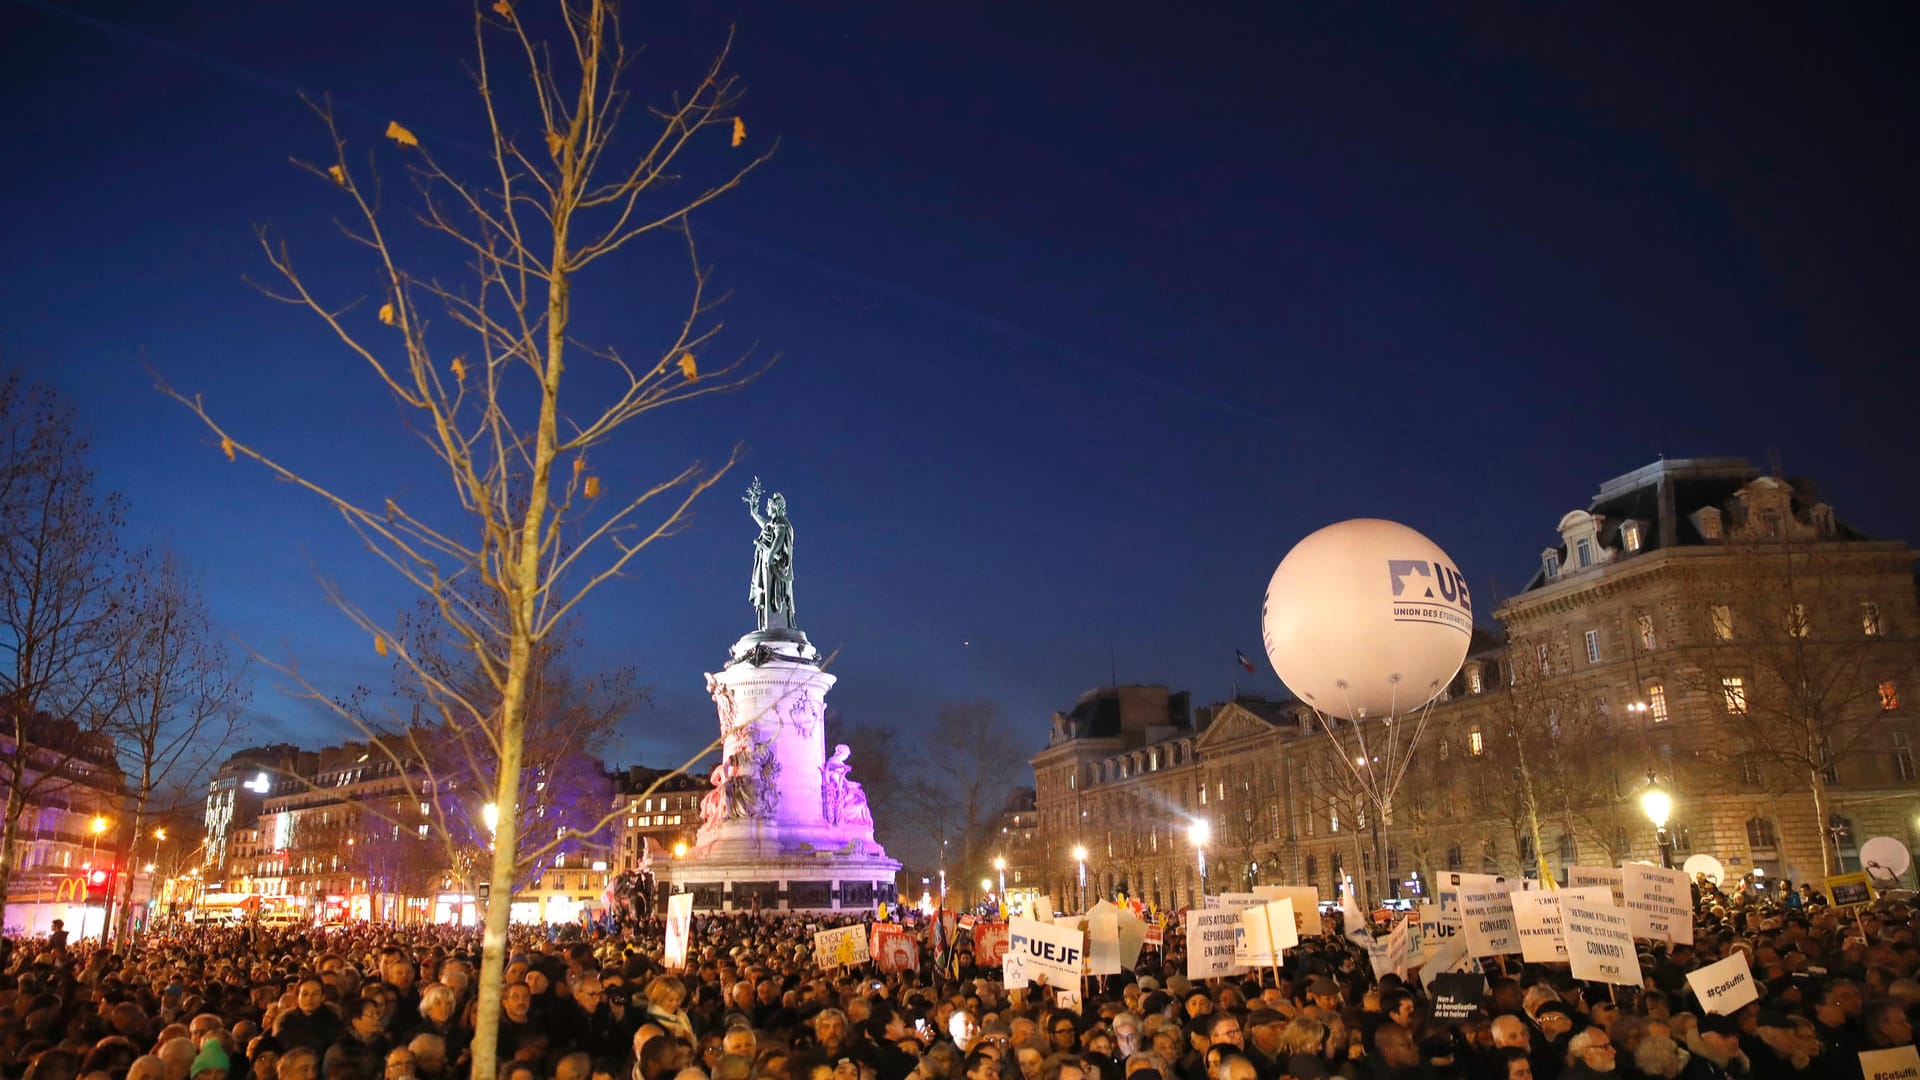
x,y
72,890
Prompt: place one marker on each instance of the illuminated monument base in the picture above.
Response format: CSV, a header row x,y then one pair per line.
x,y
785,826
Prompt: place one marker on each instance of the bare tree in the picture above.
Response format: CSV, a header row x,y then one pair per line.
x,y
176,697
971,764
495,387
59,558
1792,666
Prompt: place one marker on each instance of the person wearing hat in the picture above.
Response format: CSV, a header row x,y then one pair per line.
x,y
211,1063
1775,1047
1263,1030
1715,1044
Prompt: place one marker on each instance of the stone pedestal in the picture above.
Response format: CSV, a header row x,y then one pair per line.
x,y
784,826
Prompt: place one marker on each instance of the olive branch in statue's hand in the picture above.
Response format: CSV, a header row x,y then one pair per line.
x,y
752,497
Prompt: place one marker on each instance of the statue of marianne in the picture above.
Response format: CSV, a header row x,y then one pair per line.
x,y
771,590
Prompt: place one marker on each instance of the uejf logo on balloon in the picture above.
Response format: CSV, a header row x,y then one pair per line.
x,y
1443,587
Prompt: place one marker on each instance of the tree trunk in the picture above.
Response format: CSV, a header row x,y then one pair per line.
x,y
125,930
1829,854
506,796
16,809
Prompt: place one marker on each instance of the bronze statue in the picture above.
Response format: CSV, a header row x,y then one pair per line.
x,y
771,590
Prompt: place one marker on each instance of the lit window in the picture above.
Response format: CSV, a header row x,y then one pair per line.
x,y
1333,819
1583,552
1870,619
1721,617
1475,744
1476,681
1889,696
1735,689
1643,626
1657,703
1630,535
1710,524
1797,625
1593,646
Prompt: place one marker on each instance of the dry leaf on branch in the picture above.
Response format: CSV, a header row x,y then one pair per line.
x,y
688,368
555,144
380,644
226,445
579,463
401,135
386,314
739,131
339,174
459,366
593,487
503,9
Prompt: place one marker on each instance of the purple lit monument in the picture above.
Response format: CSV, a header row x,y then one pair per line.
x,y
785,826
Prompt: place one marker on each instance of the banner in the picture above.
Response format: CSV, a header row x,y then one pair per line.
x,y
1264,932
1235,901
1051,952
1486,914
894,949
1210,939
1043,909
989,943
1456,995
1586,877
1536,918
1103,939
1599,937
1306,906
1067,997
679,926
841,947
1154,937
1724,986
1850,889
1448,957
1659,903
1435,931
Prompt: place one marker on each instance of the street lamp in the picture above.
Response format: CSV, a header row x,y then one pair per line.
x,y
1080,856
490,814
1000,867
1658,805
1200,832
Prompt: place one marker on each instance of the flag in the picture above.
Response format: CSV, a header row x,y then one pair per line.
x,y
1357,930
1244,662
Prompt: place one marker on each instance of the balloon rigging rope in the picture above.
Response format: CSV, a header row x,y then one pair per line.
x,y
1397,763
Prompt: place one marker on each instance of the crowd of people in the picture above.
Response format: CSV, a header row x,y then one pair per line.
x,y
374,1002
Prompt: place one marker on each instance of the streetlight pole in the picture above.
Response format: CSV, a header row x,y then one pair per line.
x,y
1080,856
1200,832
1000,867
1658,805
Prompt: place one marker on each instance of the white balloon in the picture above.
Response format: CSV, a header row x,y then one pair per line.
x,y
1367,619
1704,863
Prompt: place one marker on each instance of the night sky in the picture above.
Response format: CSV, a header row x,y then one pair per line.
x,y
1087,313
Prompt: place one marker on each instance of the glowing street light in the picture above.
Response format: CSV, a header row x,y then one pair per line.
x,y
1658,806
1000,865
1199,833
1080,856
99,825
680,849
490,815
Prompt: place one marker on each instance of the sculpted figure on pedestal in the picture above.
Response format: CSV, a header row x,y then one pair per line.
x,y
843,801
771,589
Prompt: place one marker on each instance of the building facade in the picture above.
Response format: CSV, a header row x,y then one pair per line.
x,y
1699,625
75,796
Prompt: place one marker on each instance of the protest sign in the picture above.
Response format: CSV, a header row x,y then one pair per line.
x,y
1586,877
1457,994
1724,986
1899,1063
1434,928
1153,937
894,948
1850,889
1536,917
1599,937
1388,954
1416,935
679,926
1236,901
1448,957
1306,906
967,921
1210,940
842,946
1103,939
1067,997
1486,914
1053,952
989,943
1043,909
1659,903
1265,930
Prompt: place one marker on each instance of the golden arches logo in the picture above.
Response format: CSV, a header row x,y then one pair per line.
x,y
71,890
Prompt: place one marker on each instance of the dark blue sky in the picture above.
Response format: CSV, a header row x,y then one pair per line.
x,y
1087,313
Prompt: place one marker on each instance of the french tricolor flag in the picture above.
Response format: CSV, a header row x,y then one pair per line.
x,y
1244,662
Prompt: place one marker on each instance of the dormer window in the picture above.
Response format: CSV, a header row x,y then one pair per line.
x,y
1630,536
1583,553
1550,564
1708,522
